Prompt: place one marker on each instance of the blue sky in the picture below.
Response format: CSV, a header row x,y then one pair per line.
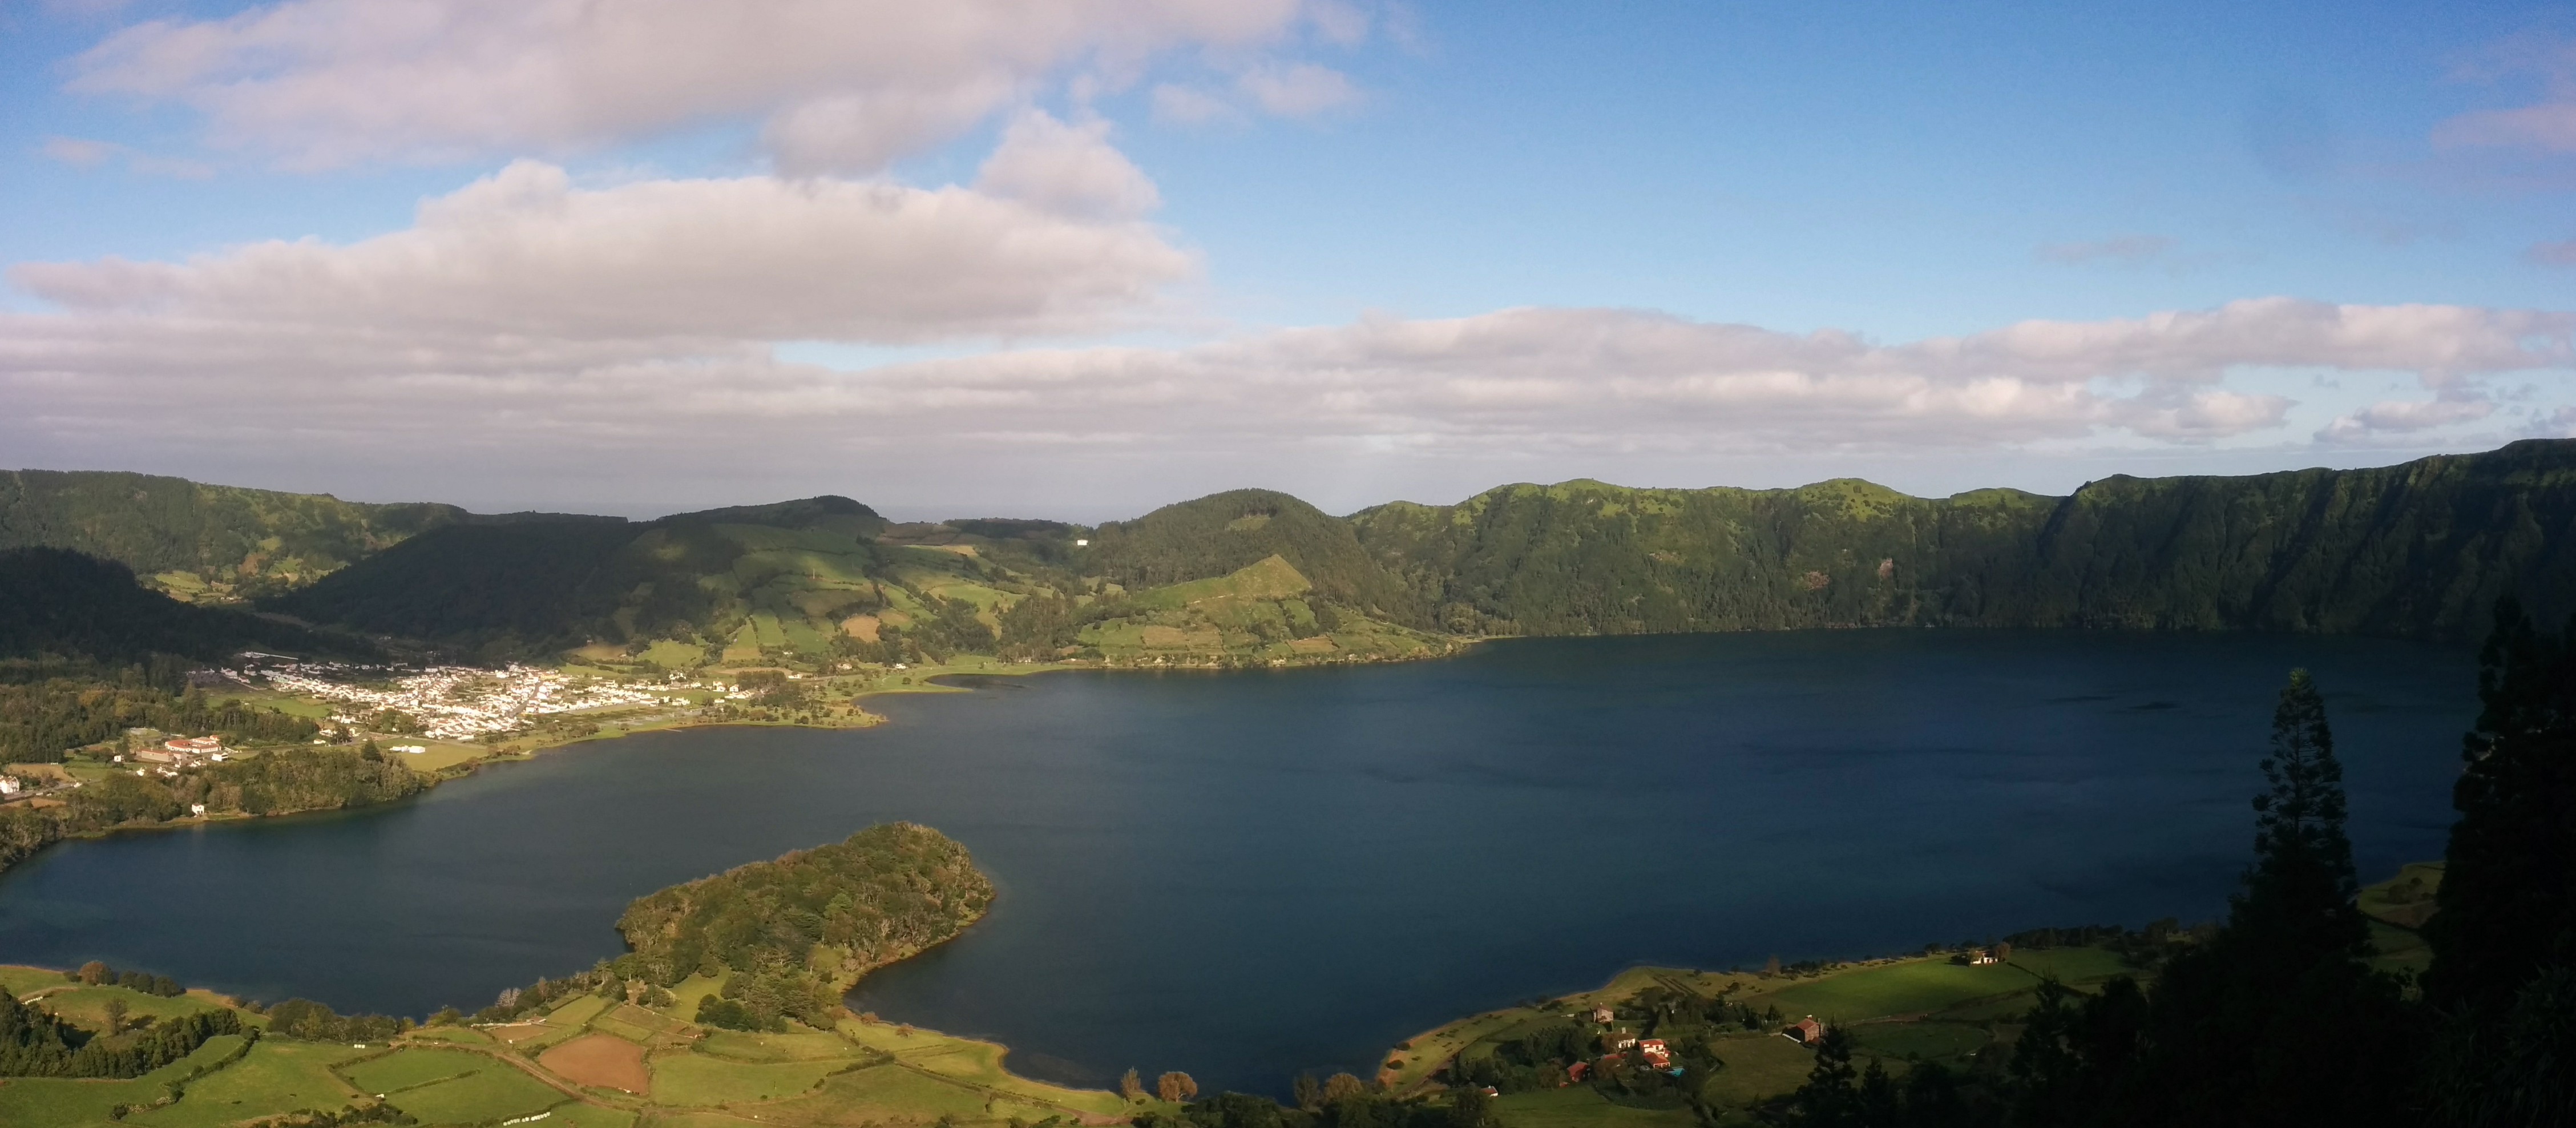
x,y
1357,251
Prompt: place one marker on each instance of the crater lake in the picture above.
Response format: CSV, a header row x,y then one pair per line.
x,y
1243,875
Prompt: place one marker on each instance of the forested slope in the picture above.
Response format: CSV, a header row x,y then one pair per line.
x,y
540,584
1222,533
2422,548
201,541
68,607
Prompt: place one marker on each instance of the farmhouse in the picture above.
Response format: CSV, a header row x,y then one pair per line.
x,y
1805,1031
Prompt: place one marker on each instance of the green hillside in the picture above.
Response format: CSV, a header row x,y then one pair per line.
x,y
70,608
538,585
201,542
2423,548
1221,533
2418,549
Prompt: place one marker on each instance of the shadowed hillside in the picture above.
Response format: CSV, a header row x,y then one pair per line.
x,y
550,584
70,608
219,543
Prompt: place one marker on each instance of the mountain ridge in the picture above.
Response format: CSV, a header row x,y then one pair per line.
x,y
2421,548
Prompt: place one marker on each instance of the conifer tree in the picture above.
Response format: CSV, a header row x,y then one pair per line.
x,y
2507,903
2278,1019
2297,909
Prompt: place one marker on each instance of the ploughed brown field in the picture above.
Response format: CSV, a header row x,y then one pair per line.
x,y
602,1060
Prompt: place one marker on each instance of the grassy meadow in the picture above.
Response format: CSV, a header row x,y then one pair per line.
x,y
564,1067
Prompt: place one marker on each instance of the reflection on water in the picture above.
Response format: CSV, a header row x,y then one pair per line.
x,y
1245,875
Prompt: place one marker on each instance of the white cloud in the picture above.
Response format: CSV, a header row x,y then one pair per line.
x,y
81,152
2406,417
631,377
1067,168
1189,105
526,256
845,85
1297,90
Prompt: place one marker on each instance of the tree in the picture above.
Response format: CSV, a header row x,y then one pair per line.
x,y
1342,1087
94,973
2504,934
1308,1091
2507,903
2297,906
116,1011
1175,1086
2277,1019
1131,1086
1827,1099
1472,1109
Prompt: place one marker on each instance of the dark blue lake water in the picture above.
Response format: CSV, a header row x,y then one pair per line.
x,y
1245,875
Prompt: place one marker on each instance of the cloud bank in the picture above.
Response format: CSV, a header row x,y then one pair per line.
x,y
524,255
403,344
840,86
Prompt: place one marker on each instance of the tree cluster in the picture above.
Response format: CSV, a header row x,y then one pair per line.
x,y
794,930
98,974
35,1042
41,720
315,1022
2277,1016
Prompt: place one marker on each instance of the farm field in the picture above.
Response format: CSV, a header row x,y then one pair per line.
x,y
1897,1011
590,1063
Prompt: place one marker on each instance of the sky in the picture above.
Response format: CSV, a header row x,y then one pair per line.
x,y
1080,258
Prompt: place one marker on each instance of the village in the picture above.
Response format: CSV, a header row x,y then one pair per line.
x,y
458,703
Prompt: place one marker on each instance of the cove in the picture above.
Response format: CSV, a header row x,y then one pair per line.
x,y
1243,875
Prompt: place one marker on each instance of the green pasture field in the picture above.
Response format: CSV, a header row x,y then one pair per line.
x,y
2399,950
44,1102
460,1035
975,1063
278,1075
1927,1041
2405,900
404,1069
696,1079
87,1006
591,1116
2071,966
438,755
1915,986
1758,1067
22,981
496,1091
793,1046
889,1092
1582,1106
581,1009
671,655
